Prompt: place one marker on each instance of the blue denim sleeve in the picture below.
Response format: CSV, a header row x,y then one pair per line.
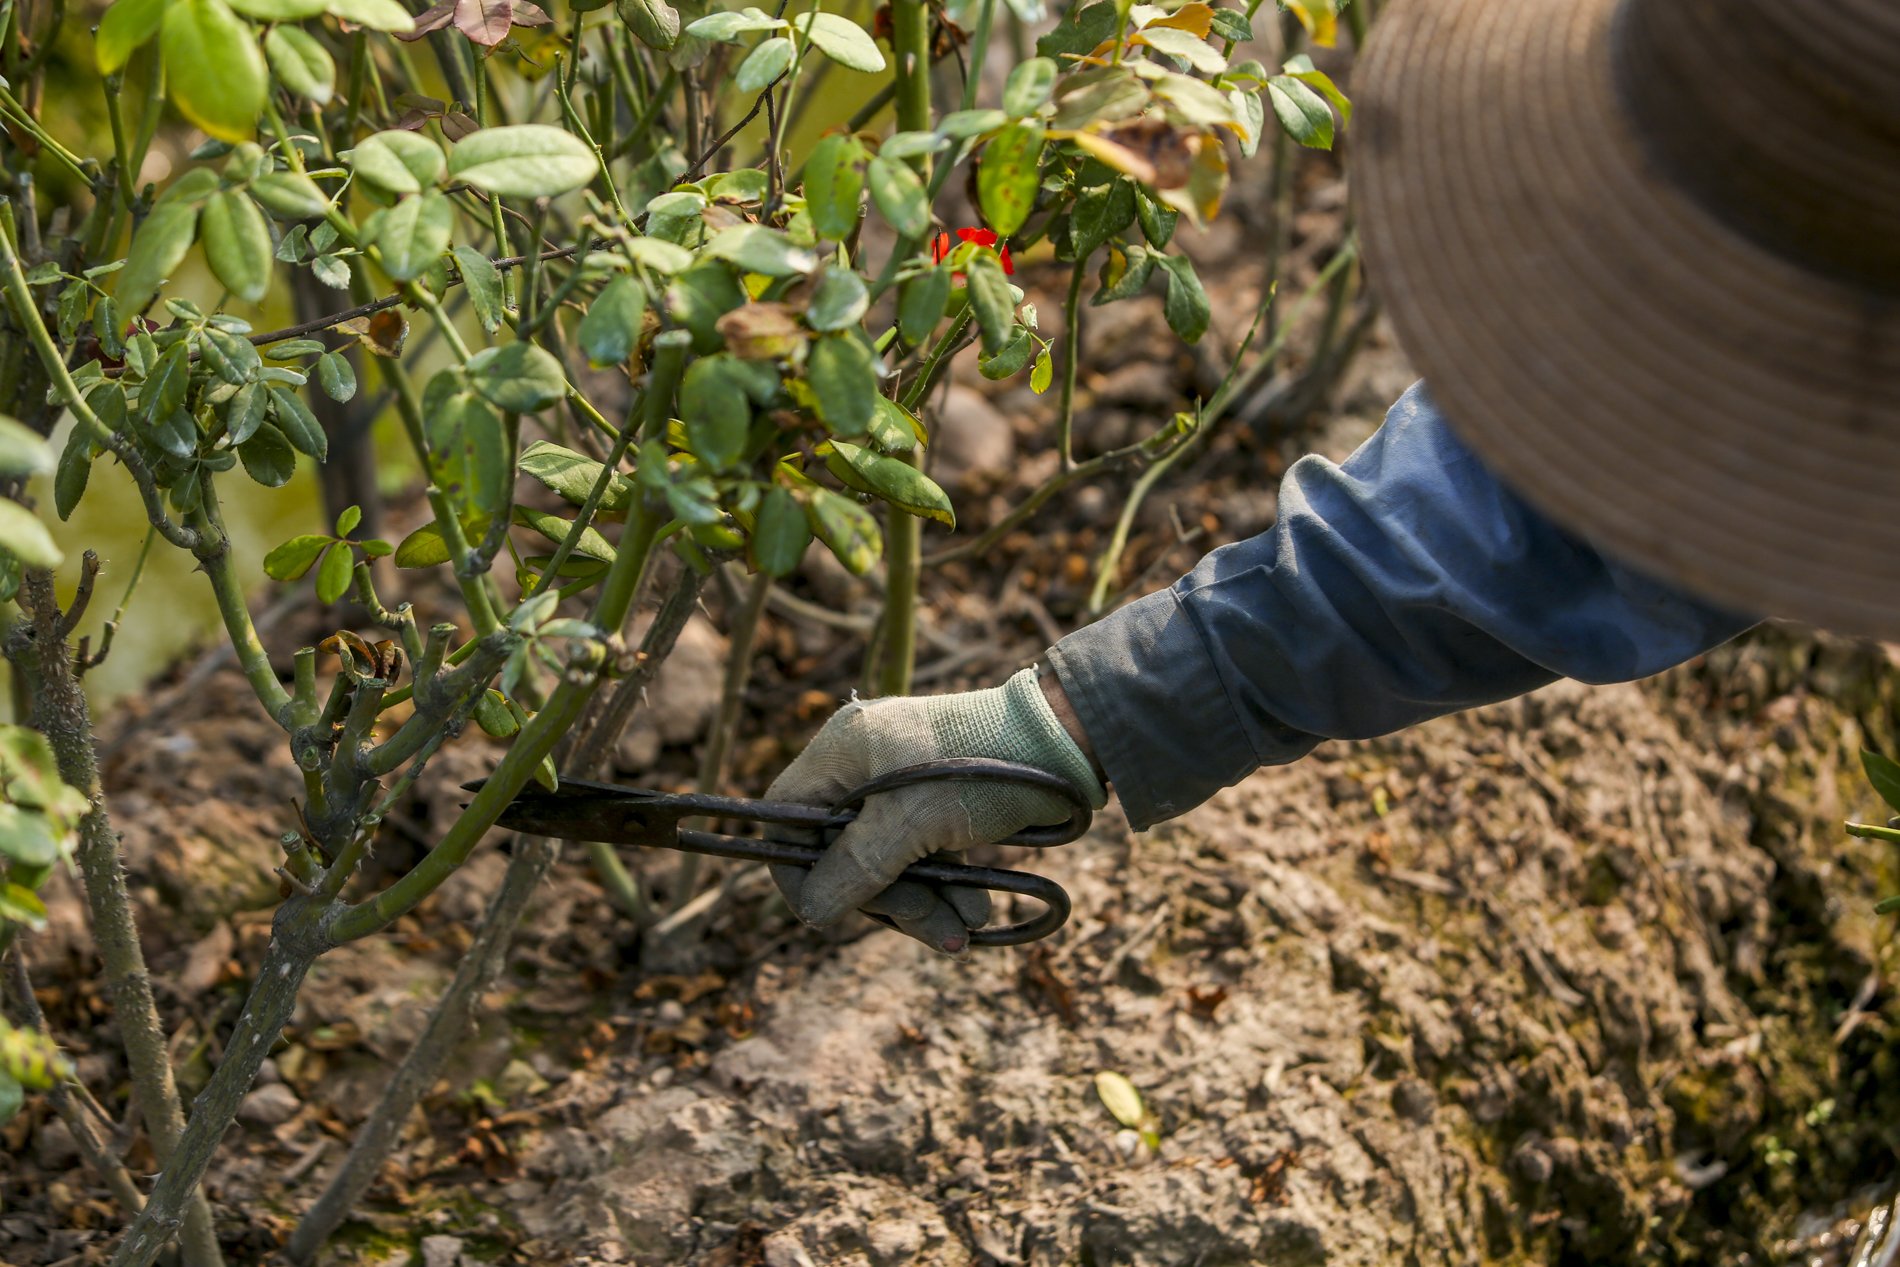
x,y
1403,584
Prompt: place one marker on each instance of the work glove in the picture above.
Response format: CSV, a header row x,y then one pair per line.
x,y
867,739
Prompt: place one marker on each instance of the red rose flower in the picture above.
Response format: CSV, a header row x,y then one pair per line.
x,y
941,246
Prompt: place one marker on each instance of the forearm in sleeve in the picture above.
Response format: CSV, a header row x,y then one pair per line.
x,y
1400,585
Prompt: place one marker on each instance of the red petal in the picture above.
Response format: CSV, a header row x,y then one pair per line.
x,y
939,247
982,237
1009,269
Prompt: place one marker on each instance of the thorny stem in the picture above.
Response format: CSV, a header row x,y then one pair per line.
x,y
594,743
37,647
903,533
544,730
448,1025
712,766
1071,354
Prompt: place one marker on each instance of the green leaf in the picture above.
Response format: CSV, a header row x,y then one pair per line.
x,y
727,26
299,425
839,301
894,429
164,390
1884,774
1044,374
556,529
716,411
398,162
900,196
347,521
1301,68
1010,359
244,412
75,468
23,451
698,297
921,304
1187,308
757,249
991,300
159,247
290,195
518,377
336,376
1029,86
892,479
763,65
1082,28
1157,221
780,534
301,63
840,39
413,234
1231,24
177,434
279,10
468,448
22,906
483,282
655,22
848,529
289,561
378,15
1007,177
237,244
213,67
25,537
128,24
834,185
961,125
268,459
333,574
611,329
1184,46
572,476
1101,212
492,715
843,376
423,548
1887,905
1301,111
526,160
659,255
27,837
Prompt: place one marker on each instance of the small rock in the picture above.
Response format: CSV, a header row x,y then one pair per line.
x,y
271,1105
971,435
686,694
1143,386
519,1081
53,1146
1412,1099
268,1072
441,1251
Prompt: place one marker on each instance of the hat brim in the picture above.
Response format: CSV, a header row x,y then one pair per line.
x,y
1689,400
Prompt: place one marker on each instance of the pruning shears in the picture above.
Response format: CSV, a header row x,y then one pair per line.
x,y
611,813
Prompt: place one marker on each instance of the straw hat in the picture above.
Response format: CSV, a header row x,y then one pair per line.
x,y
1647,254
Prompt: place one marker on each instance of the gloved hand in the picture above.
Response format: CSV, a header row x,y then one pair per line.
x,y
1011,722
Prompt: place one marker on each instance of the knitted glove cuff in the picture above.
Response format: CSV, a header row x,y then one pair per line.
x,y
1032,725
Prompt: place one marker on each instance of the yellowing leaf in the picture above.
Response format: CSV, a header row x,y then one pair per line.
x,y
1121,1099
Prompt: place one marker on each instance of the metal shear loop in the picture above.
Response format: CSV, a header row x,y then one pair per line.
x,y
615,814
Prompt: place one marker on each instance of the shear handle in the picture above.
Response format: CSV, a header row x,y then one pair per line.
x,y
1054,898
987,770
